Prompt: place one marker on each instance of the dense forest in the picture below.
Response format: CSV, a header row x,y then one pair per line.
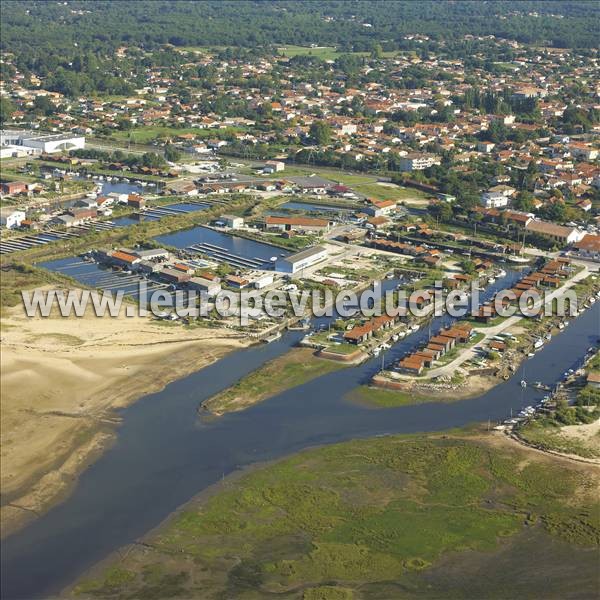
x,y
63,28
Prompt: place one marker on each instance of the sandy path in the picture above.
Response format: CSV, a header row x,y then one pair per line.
x,y
61,378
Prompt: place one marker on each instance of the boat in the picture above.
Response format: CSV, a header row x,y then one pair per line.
x,y
376,351
523,383
401,334
538,343
531,354
389,276
272,338
501,273
395,337
491,280
548,336
414,328
273,259
561,325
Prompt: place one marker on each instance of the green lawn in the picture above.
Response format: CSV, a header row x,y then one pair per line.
x,y
376,518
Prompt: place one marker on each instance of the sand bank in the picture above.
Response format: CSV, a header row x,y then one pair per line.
x,y
61,380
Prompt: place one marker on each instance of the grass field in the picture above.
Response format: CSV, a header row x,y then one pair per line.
x,y
285,372
393,517
379,191
324,52
338,176
144,135
321,52
366,185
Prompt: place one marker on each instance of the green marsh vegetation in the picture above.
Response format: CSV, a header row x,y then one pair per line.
x,y
378,518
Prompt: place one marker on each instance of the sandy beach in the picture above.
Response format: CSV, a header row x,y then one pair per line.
x,y
61,380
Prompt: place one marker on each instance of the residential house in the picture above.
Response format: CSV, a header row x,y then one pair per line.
x,y
11,218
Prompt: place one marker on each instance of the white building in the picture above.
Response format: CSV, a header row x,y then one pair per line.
x,y
485,146
301,260
42,142
262,281
558,233
491,199
417,161
273,166
11,218
348,128
232,221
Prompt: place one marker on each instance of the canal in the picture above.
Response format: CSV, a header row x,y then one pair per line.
x,y
164,454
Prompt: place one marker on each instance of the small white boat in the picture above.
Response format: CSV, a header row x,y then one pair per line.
x,y
502,273
272,338
523,383
491,280
538,343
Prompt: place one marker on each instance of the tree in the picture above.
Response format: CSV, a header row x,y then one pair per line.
x,y
7,108
441,211
152,160
43,105
320,133
468,266
172,154
524,202
376,51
